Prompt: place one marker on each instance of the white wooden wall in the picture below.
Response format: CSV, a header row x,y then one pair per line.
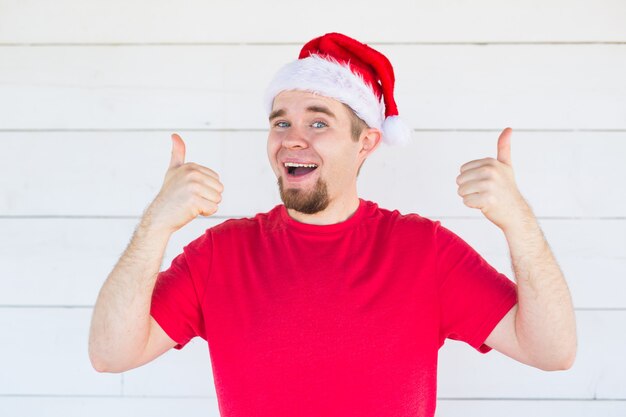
x,y
90,92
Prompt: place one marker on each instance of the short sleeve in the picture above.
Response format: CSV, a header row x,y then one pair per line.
x,y
473,295
178,292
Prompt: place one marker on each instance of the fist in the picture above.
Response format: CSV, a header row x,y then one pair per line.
x,y
188,190
489,184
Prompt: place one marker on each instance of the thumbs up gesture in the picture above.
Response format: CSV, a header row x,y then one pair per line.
x,y
489,185
188,190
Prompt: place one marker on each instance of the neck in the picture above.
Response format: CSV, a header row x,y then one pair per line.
x,y
336,212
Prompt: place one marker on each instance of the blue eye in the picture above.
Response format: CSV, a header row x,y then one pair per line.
x,y
281,124
318,123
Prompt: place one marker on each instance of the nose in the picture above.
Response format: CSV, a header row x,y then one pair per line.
x,y
295,138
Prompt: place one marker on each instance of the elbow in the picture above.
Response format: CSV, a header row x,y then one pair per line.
x,y
99,366
563,365
562,362
569,356
107,358
96,359
568,361
100,363
103,367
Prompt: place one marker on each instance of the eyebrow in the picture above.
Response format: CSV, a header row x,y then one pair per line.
x,y
277,113
311,109
321,109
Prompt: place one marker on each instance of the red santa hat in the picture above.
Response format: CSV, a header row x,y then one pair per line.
x,y
339,67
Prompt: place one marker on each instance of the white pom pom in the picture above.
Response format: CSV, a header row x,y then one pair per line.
x,y
395,131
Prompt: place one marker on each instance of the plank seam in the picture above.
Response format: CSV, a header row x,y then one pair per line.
x,y
299,44
238,216
582,399
86,306
147,397
264,130
104,396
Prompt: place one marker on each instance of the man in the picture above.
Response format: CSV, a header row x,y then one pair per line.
x,y
329,305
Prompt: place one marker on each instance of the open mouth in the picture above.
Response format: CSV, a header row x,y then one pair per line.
x,y
298,170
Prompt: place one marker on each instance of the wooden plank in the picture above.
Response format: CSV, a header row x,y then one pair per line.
x,y
107,406
561,174
48,356
598,372
44,351
589,252
207,407
186,374
525,408
53,262
213,86
118,21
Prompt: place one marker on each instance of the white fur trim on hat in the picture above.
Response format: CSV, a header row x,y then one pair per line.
x,y
395,131
329,78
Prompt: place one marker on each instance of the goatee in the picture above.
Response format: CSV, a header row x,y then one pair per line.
x,y
307,202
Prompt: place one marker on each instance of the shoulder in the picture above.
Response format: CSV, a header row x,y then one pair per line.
x,y
410,221
246,225
406,236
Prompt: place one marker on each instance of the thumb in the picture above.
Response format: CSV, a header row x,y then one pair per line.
x,y
178,151
504,147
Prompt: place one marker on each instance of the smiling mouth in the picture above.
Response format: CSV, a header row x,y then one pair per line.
x,y
297,170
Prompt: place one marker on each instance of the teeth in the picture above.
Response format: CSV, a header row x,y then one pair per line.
x,y
295,164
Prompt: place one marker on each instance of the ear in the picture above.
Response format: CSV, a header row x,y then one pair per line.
x,y
370,139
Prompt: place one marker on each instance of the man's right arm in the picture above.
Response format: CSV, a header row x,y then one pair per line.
x,y
123,334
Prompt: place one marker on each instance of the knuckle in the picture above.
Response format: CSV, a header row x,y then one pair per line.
x,y
194,175
210,208
214,173
193,187
204,207
488,170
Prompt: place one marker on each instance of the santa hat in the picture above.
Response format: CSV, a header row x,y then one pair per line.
x,y
339,67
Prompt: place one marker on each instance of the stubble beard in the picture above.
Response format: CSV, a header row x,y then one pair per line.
x,y
307,202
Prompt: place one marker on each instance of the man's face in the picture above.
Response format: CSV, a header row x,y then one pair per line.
x,y
311,150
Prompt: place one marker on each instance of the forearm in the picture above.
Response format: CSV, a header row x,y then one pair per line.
x,y
545,321
120,324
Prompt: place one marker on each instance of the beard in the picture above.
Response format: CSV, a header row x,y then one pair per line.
x,y
307,202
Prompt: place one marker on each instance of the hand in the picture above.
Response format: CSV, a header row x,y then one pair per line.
x,y
489,184
188,190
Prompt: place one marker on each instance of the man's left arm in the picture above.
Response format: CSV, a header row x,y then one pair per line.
x,y
541,329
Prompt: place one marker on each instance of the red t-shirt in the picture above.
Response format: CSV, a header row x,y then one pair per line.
x,y
337,320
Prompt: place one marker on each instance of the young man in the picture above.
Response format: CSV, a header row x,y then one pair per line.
x,y
328,305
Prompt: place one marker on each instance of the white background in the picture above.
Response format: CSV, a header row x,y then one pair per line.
x,y
90,92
